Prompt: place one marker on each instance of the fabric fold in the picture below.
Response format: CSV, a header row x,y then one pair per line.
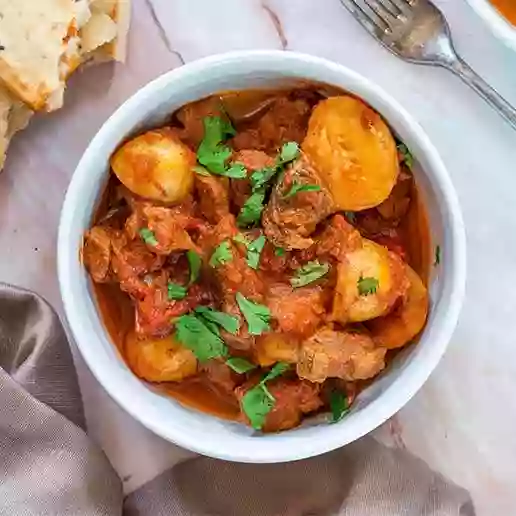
x,y
49,467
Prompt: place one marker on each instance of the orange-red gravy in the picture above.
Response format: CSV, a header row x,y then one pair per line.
x,y
507,8
117,315
117,311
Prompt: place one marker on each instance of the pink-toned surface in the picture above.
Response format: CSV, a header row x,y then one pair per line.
x,y
464,420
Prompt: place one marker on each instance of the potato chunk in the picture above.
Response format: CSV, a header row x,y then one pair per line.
x,y
370,266
159,360
398,328
354,151
276,347
156,165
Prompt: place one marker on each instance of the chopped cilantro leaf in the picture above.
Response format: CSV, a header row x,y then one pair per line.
x,y
279,251
339,406
289,152
260,177
309,273
229,322
196,335
406,155
350,216
240,365
221,255
175,291
216,130
296,188
437,259
254,251
277,370
367,286
258,401
256,315
236,171
256,404
215,159
260,182
194,261
148,236
251,211
211,153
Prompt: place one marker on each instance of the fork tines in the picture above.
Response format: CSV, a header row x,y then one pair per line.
x,y
379,16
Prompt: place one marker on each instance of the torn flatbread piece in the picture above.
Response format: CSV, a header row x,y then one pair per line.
x,y
39,42
14,116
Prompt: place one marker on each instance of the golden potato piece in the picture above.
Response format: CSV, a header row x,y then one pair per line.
x,y
398,328
159,360
369,281
276,347
354,151
156,165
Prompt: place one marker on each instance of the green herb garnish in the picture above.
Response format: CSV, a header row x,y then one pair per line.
x,y
221,255
215,160
254,251
148,236
229,322
260,182
256,315
289,152
367,286
175,291
279,251
296,188
240,365
251,211
258,401
194,262
339,406
211,153
277,370
406,155
241,239
260,177
236,171
350,216
437,259
309,273
199,337
256,404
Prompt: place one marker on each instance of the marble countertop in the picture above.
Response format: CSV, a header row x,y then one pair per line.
x,y
463,422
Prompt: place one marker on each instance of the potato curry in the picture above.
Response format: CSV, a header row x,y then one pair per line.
x,y
261,256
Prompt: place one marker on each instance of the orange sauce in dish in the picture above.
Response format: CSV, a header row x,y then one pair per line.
x,y
507,8
199,392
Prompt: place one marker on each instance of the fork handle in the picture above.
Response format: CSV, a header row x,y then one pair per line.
x,y
472,79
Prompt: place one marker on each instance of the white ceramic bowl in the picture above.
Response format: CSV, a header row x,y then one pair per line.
x,y
498,25
203,433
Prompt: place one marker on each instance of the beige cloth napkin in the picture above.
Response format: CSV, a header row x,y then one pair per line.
x,y
49,467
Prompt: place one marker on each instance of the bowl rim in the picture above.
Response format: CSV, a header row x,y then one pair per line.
x,y
272,447
499,25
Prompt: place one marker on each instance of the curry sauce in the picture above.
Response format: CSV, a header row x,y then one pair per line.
x,y
310,277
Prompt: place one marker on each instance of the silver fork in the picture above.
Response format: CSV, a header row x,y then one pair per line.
x,y
417,31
